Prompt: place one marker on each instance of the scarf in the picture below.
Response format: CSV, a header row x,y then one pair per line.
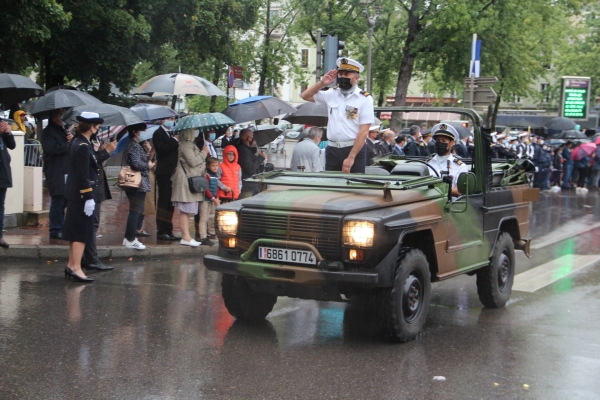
x,y
18,121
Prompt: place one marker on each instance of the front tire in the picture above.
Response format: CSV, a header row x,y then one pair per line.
x,y
244,303
494,282
405,306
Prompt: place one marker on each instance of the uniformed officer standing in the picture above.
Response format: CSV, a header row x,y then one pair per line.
x,y
444,162
80,192
350,113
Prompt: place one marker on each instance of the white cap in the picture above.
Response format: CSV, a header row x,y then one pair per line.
x,y
445,130
374,128
348,64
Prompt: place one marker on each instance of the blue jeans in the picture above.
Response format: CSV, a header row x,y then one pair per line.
x,y
57,214
2,200
136,208
567,174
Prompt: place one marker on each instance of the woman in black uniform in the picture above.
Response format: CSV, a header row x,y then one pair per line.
x,y
80,192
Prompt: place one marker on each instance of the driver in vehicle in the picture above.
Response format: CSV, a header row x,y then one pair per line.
x,y
443,162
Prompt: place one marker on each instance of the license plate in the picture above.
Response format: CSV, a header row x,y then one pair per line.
x,y
287,255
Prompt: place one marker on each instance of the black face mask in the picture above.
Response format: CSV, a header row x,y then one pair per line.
x,y
344,83
441,148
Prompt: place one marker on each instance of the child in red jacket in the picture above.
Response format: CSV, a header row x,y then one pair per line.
x,y
231,175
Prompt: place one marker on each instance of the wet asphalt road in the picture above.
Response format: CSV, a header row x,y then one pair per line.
x,y
159,330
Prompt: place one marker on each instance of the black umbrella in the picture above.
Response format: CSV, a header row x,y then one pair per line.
x,y
112,115
309,113
560,124
257,107
62,98
152,112
462,131
17,88
265,134
570,134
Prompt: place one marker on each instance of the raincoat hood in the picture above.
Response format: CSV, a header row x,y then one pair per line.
x,y
227,149
18,121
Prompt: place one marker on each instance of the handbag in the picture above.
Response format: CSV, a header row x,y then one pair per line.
x,y
197,184
128,178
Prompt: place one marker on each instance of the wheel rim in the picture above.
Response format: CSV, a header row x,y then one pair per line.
x,y
412,297
503,271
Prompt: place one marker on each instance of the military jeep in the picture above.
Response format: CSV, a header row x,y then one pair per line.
x,y
384,235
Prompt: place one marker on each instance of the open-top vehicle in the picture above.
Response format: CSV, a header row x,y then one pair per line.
x,y
331,236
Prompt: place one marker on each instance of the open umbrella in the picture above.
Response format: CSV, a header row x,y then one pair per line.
x,y
462,131
265,134
570,134
152,112
559,124
583,150
17,88
257,107
62,98
176,84
203,122
112,115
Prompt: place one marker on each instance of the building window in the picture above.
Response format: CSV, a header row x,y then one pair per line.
x,y
304,57
274,14
544,88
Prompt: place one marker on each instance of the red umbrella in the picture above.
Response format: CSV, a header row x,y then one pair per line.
x,y
597,140
585,149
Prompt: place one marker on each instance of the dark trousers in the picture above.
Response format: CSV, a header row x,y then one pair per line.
x,y
583,172
556,178
334,159
164,206
136,208
2,200
90,253
567,174
57,214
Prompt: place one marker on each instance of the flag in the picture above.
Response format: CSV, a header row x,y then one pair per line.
x,y
475,57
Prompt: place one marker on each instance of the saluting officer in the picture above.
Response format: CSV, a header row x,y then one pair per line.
x,y
444,163
80,192
350,113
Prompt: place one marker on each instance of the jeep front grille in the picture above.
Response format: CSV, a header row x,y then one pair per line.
x,y
322,232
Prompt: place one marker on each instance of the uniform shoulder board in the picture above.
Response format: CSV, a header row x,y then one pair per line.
x,y
366,94
83,144
458,161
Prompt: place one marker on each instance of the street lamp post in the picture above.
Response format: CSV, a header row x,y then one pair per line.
x,y
371,21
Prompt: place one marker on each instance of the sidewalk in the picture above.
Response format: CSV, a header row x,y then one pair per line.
x,y
28,242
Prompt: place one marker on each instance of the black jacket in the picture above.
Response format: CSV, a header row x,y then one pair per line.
x,y
103,190
7,141
372,151
412,147
250,164
461,150
56,159
226,141
83,171
166,152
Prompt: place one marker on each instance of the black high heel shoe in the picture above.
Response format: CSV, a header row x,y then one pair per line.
x,y
70,274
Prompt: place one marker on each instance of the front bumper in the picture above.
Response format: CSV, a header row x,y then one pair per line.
x,y
290,273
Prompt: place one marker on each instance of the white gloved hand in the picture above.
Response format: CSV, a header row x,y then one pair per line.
x,y
88,208
537,169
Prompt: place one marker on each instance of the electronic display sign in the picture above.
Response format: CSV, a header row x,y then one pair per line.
x,y
575,97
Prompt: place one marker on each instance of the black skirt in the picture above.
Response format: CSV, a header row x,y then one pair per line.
x,y
78,227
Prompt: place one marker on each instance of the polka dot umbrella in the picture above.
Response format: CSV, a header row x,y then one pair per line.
x,y
204,122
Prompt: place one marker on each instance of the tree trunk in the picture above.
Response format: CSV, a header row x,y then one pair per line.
x,y
51,78
264,65
103,89
215,81
407,64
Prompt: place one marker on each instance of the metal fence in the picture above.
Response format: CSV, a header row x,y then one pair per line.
x,y
33,155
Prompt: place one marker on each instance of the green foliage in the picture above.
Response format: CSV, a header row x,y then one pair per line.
x,y
201,104
27,25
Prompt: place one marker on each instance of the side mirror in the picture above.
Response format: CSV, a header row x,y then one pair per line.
x,y
466,183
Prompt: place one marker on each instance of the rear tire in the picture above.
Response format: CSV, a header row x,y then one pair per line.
x,y
404,306
244,303
494,282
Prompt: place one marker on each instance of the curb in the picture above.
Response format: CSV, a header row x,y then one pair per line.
x,y
57,252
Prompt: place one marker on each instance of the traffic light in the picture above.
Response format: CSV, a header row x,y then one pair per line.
x,y
331,53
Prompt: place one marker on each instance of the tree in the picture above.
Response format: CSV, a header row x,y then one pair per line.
x,y
28,25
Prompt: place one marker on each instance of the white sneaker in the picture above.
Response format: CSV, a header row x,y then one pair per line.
x,y
136,244
192,243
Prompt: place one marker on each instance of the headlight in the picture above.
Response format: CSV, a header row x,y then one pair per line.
x,y
358,233
227,222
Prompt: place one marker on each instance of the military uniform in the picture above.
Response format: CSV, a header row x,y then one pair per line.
x,y
80,187
446,165
346,115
